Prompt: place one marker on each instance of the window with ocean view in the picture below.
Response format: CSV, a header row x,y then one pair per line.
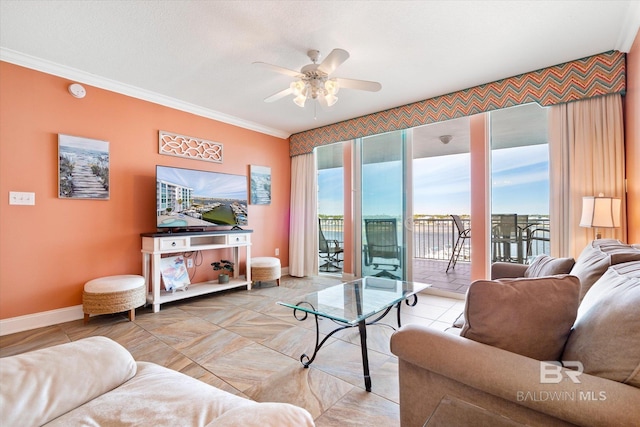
x,y
330,207
382,205
439,186
519,183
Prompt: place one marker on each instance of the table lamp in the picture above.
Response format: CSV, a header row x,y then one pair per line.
x,y
600,212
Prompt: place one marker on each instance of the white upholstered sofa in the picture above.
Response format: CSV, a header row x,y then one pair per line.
x,y
96,382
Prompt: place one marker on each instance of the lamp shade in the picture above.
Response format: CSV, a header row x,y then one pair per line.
x,y
600,212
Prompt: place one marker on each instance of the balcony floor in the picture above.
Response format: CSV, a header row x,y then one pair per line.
x,y
431,271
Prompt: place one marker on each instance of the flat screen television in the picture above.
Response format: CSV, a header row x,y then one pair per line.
x,y
195,199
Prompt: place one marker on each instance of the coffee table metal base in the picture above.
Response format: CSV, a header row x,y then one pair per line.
x,y
362,329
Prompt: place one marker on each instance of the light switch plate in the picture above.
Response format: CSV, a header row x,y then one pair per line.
x,y
22,198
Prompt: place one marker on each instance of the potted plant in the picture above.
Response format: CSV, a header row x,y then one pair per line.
x,y
226,268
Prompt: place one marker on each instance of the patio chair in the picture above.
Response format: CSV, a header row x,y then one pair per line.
x,y
329,251
463,234
382,250
504,233
539,236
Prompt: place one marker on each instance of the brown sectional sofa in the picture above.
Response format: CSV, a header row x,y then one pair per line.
x,y
502,361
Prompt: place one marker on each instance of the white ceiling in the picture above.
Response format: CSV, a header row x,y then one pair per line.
x,y
197,55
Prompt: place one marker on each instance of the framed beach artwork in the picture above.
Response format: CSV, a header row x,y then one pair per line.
x,y
260,185
83,168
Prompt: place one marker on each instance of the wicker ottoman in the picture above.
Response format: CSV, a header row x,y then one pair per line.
x,y
113,294
264,269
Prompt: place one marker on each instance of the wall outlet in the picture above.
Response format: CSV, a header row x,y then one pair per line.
x,y
189,263
22,198
277,251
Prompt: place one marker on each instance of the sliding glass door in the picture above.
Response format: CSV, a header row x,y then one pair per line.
x,y
520,183
384,176
331,187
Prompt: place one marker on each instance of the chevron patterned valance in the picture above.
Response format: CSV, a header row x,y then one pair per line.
x,y
583,78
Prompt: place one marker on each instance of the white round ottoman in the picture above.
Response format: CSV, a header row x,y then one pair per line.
x,y
113,294
264,269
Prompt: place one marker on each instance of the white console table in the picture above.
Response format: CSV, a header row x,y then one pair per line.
x,y
154,245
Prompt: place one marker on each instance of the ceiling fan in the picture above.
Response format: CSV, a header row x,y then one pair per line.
x,y
314,80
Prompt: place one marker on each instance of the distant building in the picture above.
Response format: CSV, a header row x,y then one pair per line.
x,y
172,197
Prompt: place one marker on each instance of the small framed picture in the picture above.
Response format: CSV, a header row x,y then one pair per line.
x,y
260,185
83,168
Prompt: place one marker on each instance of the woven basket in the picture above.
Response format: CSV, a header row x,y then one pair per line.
x,y
259,274
113,302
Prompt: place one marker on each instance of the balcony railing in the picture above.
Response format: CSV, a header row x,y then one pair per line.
x,y
435,237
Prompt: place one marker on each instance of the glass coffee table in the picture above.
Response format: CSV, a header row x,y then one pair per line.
x,y
354,304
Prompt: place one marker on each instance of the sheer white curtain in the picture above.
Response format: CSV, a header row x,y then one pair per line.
x,y
586,145
303,223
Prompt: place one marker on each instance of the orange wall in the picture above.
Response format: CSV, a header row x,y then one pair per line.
x,y
632,141
48,251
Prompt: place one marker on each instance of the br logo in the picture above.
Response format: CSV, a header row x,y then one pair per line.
x,y
551,372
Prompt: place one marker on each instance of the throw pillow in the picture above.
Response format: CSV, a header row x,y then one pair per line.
x,y
544,265
597,256
528,316
606,335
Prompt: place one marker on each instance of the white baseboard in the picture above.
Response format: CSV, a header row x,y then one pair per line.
x,y
39,320
68,314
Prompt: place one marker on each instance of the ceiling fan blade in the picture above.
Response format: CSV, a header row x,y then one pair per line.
x,y
279,95
333,60
278,69
359,84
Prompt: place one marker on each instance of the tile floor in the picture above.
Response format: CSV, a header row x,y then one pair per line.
x,y
243,342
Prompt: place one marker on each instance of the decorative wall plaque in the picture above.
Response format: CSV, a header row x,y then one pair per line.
x,y
172,144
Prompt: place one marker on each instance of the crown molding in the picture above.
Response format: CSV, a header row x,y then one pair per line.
x,y
79,76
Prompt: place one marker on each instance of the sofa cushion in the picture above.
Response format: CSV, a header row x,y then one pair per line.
x,y
156,396
606,335
597,256
41,385
528,316
544,265
265,414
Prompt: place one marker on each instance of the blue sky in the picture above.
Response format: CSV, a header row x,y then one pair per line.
x,y
205,183
441,184
84,143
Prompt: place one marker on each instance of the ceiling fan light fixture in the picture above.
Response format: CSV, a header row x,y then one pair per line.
x,y
313,80
331,86
331,99
300,100
298,87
